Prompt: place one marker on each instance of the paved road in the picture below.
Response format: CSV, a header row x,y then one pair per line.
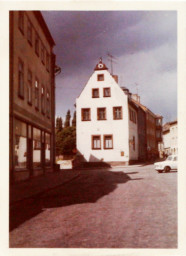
x,y
131,207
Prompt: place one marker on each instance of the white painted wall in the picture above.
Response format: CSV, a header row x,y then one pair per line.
x,y
170,139
118,128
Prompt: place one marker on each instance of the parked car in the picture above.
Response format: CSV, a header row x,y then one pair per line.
x,y
169,164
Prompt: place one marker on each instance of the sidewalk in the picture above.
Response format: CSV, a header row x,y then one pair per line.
x,y
40,184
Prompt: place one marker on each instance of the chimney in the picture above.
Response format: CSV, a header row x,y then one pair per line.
x,y
115,78
136,97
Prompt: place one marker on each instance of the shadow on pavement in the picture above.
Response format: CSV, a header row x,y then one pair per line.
x,y
131,172
88,187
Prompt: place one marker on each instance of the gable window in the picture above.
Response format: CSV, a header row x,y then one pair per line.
x,y
43,99
42,53
117,113
21,79
96,142
29,88
132,115
37,94
85,114
29,32
95,93
37,44
21,21
108,142
47,61
100,77
106,92
48,104
101,113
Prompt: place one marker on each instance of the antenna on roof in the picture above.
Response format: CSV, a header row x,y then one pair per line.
x,y
111,58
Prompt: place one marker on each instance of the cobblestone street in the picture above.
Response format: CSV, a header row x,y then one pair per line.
x,y
130,207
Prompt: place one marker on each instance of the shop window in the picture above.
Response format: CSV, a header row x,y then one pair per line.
x,y
95,93
43,99
47,149
117,113
20,149
106,92
21,79
36,147
21,21
37,94
85,114
101,113
108,142
36,44
96,142
100,77
29,32
29,88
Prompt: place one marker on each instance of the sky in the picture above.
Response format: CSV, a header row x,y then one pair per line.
x,y
143,44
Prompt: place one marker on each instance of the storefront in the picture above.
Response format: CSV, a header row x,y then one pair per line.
x,y
32,154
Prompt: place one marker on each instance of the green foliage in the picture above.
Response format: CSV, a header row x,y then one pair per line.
x,y
59,124
74,120
66,141
67,121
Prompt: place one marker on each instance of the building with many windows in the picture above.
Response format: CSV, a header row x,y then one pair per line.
x,y
107,128
170,138
112,124
32,96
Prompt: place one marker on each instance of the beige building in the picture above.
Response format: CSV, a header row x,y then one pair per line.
x,y
170,138
32,95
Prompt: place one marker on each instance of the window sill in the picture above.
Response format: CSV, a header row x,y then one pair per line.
x,y
96,148
86,120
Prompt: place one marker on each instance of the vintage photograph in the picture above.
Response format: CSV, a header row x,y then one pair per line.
x,y
93,129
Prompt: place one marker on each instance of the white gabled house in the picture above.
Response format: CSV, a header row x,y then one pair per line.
x,y
106,120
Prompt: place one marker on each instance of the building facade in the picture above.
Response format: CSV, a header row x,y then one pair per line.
x,y
32,96
170,139
107,128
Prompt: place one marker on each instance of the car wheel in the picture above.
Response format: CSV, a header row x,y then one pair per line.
x,y
160,171
167,169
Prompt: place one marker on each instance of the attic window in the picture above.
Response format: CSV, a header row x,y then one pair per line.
x,y
106,92
100,77
95,93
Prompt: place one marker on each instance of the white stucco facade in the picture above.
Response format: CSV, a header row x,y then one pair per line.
x,y
118,129
170,142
